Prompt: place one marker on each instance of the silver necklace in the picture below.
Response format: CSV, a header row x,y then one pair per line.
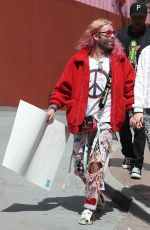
x,y
99,62
100,67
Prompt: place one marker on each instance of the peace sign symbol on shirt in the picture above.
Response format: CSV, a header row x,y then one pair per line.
x,y
98,83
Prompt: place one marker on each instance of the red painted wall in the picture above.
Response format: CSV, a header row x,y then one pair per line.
x,y
36,39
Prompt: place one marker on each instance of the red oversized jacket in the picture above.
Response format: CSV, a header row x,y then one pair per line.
x,y
73,87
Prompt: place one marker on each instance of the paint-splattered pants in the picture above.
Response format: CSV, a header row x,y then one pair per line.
x,y
91,155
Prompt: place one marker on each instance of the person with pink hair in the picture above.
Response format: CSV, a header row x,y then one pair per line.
x,y
96,87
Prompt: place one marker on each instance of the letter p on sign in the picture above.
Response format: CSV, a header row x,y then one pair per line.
x,y
138,6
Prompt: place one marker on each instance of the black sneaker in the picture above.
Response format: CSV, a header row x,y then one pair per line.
x,y
127,163
136,173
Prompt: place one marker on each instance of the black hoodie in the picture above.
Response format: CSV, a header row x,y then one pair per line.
x,y
126,35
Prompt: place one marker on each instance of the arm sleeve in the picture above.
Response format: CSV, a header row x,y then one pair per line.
x,y
139,86
63,88
129,85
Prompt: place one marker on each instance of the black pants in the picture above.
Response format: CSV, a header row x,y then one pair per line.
x,y
133,149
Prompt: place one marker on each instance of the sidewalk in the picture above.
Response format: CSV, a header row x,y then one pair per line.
x,y
132,194
27,206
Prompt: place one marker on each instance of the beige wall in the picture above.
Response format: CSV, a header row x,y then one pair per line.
x,y
36,39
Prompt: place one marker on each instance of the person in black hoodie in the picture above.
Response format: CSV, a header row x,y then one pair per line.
x,y
134,38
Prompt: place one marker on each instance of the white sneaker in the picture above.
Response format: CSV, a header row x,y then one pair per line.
x,y
87,217
136,173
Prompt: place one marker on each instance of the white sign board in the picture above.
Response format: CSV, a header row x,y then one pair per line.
x,y
35,147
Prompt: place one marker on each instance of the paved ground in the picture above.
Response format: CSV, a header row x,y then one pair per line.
x,y
26,206
136,191
131,222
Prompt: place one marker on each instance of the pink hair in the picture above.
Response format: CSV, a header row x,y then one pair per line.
x,y
87,41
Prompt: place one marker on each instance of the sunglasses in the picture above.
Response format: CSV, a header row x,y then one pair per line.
x,y
108,33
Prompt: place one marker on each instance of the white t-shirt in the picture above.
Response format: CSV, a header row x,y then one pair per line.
x,y
97,85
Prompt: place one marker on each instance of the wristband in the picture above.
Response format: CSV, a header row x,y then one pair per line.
x,y
54,107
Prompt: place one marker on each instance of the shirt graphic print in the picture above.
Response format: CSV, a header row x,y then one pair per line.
x,y
97,85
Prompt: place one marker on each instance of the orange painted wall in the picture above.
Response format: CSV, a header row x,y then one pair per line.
x,y
36,39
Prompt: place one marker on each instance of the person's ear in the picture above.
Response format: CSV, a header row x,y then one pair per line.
x,y
96,36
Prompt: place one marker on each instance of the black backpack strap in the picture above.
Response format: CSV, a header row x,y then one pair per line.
x,y
105,93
